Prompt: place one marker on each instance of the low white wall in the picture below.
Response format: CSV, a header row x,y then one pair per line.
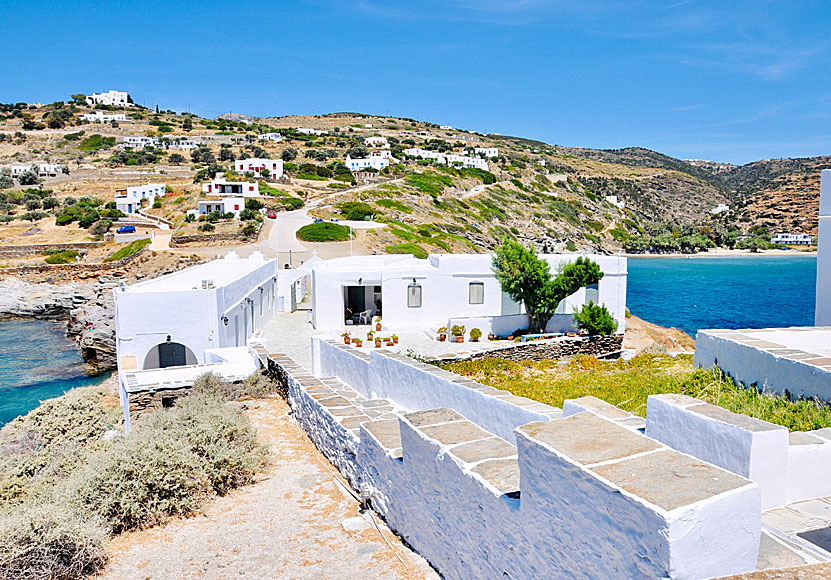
x,y
565,521
809,466
748,447
750,365
124,238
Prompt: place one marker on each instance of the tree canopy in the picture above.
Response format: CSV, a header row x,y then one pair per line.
x,y
528,279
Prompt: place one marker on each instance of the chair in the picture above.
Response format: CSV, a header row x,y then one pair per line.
x,y
365,317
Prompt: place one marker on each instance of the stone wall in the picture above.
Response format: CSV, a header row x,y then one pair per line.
x,y
38,249
75,269
153,400
177,241
599,346
585,496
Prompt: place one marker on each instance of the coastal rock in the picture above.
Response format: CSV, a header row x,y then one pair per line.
x,y
42,301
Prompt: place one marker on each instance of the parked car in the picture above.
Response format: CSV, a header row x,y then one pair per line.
x,y
334,220
271,214
318,220
126,230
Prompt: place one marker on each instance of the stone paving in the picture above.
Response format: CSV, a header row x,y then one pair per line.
x,y
810,345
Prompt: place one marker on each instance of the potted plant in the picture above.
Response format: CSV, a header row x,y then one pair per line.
x,y
346,338
370,334
357,342
491,336
390,342
378,324
377,342
395,339
475,335
458,332
442,332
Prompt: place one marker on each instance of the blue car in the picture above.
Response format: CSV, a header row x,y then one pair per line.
x,y
126,230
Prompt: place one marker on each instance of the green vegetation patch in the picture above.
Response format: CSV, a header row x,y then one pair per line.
x,y
324,232
408,248
64,257
356,210
429,182
392,204
628,384
96,142
128,250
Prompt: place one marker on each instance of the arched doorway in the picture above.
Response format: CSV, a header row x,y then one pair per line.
x,y
169,354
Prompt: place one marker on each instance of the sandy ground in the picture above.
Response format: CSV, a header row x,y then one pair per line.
x,y
292,524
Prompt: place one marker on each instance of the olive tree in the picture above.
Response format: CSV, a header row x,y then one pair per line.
x,y
528,279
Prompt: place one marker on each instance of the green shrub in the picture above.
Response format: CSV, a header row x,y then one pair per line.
x,y
256,385
408,248
206,227
64,257
595,319
128,250
324,232
356,210
429,182
392,204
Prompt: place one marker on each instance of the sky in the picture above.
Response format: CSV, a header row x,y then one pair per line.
x,y
730,81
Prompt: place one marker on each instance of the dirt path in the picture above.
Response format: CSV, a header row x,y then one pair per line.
x,y
290,525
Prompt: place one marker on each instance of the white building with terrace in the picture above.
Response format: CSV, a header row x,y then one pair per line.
x,y
139,142
222,187
256,166
376,141
130,200
377,162
102,117
444,290
111,98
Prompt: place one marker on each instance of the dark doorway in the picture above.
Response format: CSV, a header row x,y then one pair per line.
x,y
172,354
356,298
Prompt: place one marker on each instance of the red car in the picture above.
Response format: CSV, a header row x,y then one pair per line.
x,y
271,214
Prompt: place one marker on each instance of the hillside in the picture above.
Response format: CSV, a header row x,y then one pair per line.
x,y
550,196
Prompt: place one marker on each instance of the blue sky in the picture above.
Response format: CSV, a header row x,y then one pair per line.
x,y
729,81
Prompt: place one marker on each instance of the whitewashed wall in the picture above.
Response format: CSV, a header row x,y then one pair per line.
x,y
823,300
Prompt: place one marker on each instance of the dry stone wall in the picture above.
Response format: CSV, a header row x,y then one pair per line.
x,y
599,346
38,249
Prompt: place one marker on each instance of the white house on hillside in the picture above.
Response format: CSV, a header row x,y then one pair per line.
x,y
221,187
111,98
17,170
448,158
377,162
129,202
823,301
376,141
102,117
139,142
445,289
273,137
49,169
274,166
487,151
310,131
223,205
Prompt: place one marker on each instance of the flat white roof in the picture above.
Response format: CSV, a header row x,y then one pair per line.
x,y
234,364
222,272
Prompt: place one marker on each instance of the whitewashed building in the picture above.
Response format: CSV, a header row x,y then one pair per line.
x,y
111,98
181,143
376,141
223,205
448,158
618,203
130,201
377,162
720,208
17,170
445,289
273,137
171,329
221,187
49,169
139,142
310,131
487,151
798,239
255,165
102,117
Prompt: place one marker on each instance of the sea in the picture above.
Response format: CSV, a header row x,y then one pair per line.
x,y
693,293
37,362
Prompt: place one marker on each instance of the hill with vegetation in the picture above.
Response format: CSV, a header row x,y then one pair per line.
x,y
558,199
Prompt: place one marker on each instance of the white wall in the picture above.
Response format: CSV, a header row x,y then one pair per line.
x,y
823,303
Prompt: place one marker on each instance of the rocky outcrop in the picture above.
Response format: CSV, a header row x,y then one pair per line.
x,y
88,308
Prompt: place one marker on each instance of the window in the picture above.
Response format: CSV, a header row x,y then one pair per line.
x,y
592,293
250,188
476,293
414,296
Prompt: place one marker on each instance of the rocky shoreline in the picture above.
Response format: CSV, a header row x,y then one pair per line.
x,y
86,306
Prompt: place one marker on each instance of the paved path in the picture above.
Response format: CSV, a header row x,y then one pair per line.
x,y
297,523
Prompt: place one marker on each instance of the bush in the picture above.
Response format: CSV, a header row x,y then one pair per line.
x,y
247,214
356,210
50,540
408,248
595,319
65,257
128,250
206,227
249,230
256,385
324,232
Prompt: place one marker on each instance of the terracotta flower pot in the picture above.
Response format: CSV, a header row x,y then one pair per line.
x,y
378,343
357,343
346,340
395,340
378,327
491,336
442,337
474,340
460,339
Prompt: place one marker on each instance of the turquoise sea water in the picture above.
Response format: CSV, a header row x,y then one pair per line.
x,y
723,292
37,362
